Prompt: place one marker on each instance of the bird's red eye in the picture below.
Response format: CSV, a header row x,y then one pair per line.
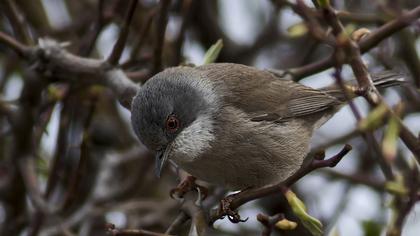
x,y
172,123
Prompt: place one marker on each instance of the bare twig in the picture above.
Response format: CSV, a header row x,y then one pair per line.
x,y
160,35
117,51
386,169
50,57
365,44
16,20
18,47
142,35
366,86
177,223
186,15
268,222
87,45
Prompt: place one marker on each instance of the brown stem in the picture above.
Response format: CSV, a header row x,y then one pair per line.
x,y
268,222
365,44
252,194
160,35
19,48
122,38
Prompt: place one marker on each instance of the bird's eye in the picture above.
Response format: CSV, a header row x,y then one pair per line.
x,y
172,123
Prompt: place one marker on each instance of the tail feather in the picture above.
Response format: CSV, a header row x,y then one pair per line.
x,y
381,80
387,79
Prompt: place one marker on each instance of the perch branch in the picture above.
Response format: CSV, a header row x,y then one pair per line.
x,y
243,197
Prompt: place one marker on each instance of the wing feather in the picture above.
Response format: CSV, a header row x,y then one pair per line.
x,y
264,96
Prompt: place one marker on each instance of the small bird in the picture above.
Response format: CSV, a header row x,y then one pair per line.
x,y
230,124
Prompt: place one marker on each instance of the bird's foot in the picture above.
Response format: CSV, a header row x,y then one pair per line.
x,y
226,209
186,186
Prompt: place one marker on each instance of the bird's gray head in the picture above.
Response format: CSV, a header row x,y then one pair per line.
x,y
172,113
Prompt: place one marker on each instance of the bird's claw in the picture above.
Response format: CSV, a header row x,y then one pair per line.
x,y
186,186
226,210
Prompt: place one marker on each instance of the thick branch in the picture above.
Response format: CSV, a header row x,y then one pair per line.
x,y
52,59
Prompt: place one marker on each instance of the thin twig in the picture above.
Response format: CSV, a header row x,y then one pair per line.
x,y
160,35
17,21
177,223
142,35
365,44
118,49
88,44
51,57
18,47
268,222
186,15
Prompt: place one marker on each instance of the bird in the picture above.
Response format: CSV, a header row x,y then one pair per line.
x,y
232,125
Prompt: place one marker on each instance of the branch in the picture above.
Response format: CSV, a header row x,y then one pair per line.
x,y
122,38
87,45
50,58
16,21
365,44
142,35
186,16
248,195
177,223
19,48
364,80
160,35
269,222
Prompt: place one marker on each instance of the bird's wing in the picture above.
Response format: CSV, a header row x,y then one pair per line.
x,y
265,96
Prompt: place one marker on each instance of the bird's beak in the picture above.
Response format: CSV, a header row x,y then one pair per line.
x,y
161,158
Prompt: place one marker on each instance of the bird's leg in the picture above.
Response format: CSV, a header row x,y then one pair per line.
x,y
188,184
226,209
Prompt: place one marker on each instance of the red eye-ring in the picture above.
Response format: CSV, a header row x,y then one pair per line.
x,y
172,123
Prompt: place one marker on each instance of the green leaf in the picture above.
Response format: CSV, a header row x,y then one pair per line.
x,y
213,52
371,228
396,187
324,3
374,118
389,143
310,223
286,224
297,30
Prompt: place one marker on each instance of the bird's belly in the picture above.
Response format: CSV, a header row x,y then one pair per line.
x,y
253,156
237,172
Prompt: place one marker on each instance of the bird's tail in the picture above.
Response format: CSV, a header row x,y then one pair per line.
x,y
387,79
381,80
